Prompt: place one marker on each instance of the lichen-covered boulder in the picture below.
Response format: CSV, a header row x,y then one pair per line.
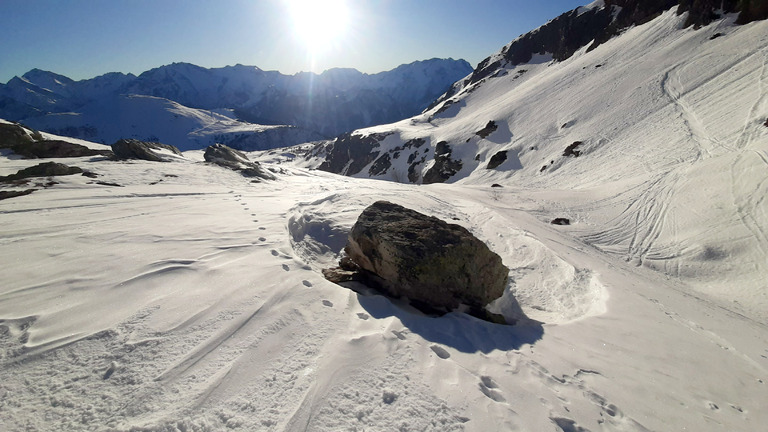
x,y
228,157
151,151
433,263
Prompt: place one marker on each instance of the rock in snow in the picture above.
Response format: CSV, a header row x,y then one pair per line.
x,y
151,151
235,160
43,170
434,264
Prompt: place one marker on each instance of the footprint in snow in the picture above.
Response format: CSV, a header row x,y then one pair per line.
x,y
401,335
262,228
262,239
327,303
440,351
274,252
286,268
307,283
363,316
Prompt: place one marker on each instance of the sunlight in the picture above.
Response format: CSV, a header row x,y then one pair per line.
x,y
319,24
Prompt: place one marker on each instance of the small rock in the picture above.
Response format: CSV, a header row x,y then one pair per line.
x,y
45,169
561,221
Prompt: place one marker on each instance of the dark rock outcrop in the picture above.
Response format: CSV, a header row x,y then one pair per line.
x,y
135,149
227,157
444,167
487,130
497,159
14,194
561,221
436,265
571,149
349,154
29,144
46,169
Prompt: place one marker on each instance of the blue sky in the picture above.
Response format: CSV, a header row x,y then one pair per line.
x,y
86,38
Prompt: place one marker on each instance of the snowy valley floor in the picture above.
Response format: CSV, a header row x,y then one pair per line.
x,y
191,299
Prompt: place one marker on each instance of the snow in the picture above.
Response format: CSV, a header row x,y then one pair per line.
x,y
189,298
671,170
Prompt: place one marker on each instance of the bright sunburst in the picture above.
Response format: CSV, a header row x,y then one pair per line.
x,y
319,24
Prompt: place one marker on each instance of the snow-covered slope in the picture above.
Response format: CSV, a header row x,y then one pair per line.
x,y
150,118
668,128
181,296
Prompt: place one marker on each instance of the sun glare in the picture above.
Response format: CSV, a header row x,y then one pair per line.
x,y
319,24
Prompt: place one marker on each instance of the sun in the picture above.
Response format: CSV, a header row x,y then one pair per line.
x,y
319,24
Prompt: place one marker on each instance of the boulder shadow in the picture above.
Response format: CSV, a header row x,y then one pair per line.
x,y
457,330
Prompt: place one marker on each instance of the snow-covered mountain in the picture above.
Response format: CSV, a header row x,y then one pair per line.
x,y
149,118
660,132
327,104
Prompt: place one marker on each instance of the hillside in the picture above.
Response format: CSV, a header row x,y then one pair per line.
x,y
659,133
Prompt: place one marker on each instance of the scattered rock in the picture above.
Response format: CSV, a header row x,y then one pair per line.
x,y
444,167
487,130
496,185
766,123
228,157
89,174
151,151
571,149
715,36
561,221
103,183
349,154
436,265
14,194
45,169
497,159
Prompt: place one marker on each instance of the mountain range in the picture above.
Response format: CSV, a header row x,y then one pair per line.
x,y
191,107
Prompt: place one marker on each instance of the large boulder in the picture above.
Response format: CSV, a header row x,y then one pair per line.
x,y
29,144
228,157
151,151
434,264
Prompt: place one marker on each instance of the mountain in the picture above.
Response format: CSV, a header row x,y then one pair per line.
x,y
149,118
665,121
327,104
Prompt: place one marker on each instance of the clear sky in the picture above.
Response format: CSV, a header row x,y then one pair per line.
x,y
86,38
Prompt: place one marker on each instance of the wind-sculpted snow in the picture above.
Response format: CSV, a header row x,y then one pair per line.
x,y
192,299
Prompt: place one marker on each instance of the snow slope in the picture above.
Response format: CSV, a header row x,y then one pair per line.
x,y
149,118
671,173
191,299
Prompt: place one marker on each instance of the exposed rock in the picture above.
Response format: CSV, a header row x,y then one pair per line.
x,y
487,130
496,185
766,123
436,265
56,149
349,154
29,144
46,169
561,221
14,194
135,149
237,161
497,159
381,165
571,149
444,167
